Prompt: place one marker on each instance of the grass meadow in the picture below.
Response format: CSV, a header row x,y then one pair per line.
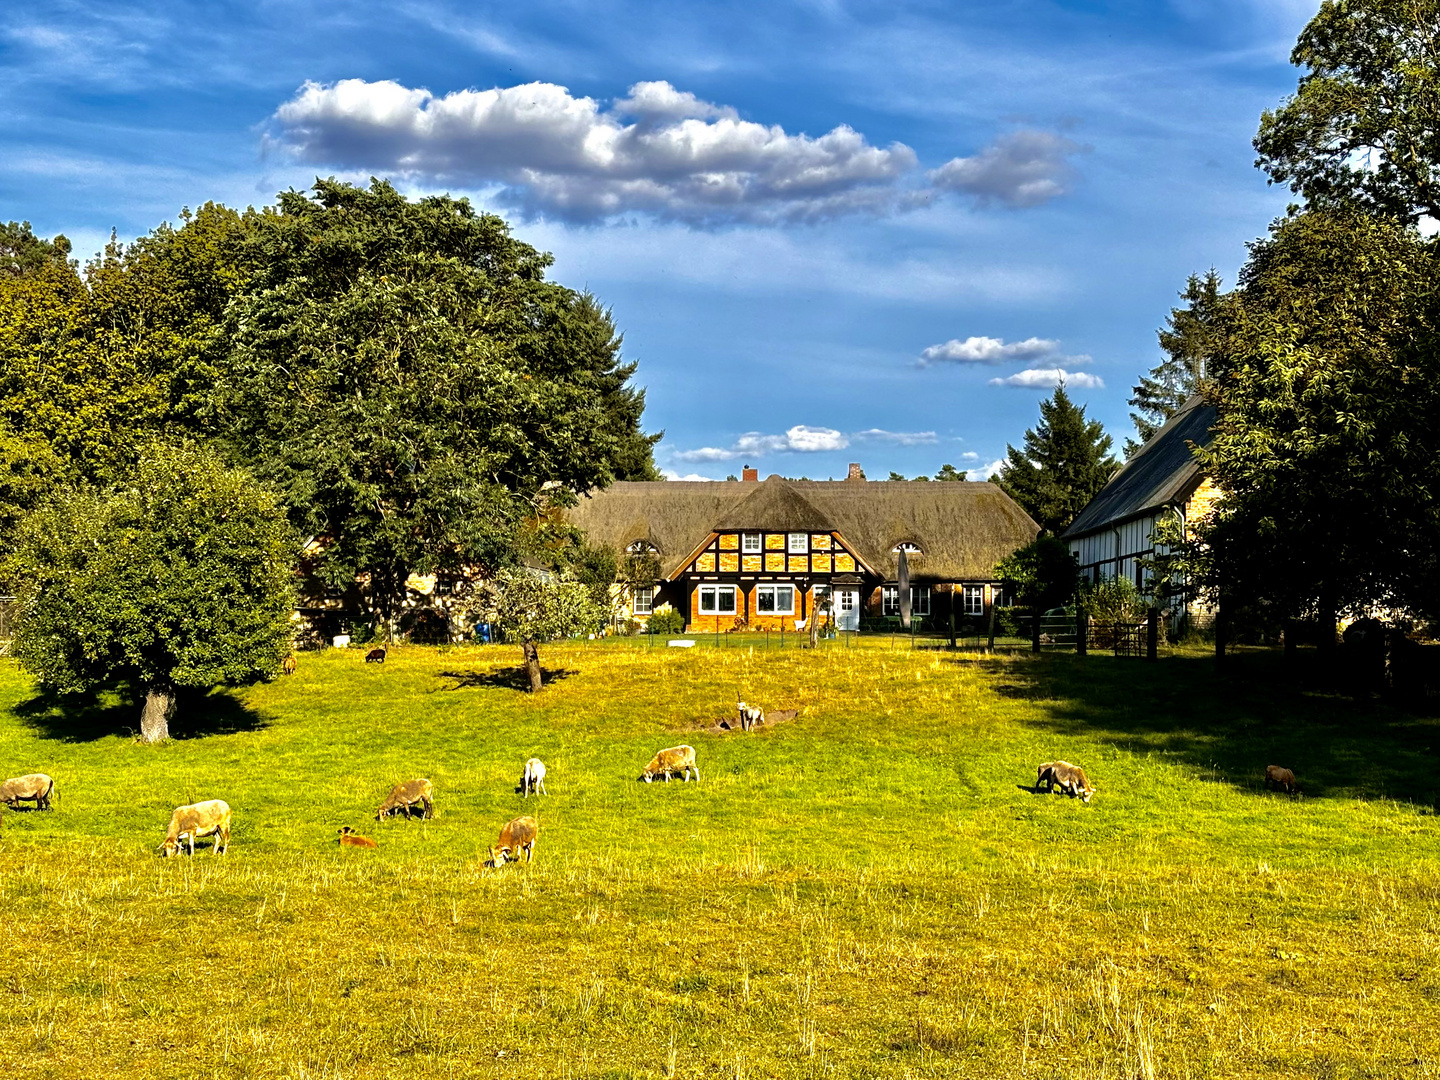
x,y
871,890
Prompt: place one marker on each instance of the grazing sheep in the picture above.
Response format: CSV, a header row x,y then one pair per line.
x,y
1279,777
750,715
533,777
516,835
679,759
350,838
404,796
288,665
36,787
375,656
210,818
1071,779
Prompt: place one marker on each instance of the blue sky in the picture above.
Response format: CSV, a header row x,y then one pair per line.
x,y
830,231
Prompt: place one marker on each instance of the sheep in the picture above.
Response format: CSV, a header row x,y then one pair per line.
x,y
404,796
288,665
679,759
350,838
1280,777
516,835
1071,779
750,715
534,777
36,786
375,656
211,818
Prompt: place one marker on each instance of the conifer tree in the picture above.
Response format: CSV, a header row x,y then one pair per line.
x,y
1066,461
1188,339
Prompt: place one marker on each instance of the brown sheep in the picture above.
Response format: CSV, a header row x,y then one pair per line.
x,y
750,715
1071,779
1279,777
375,656
404,796
516,835
36,787
288,665
211,818
350,838
679,759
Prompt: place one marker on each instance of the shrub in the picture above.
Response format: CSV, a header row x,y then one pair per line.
x,y
665,620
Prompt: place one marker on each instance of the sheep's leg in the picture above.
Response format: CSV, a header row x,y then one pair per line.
x,y
192,845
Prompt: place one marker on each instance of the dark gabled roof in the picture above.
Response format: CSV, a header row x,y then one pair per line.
x,y
962,528
1162,472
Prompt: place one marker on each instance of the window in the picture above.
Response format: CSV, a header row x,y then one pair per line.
x,y
974,600
919,600
750,542
642,598
799,543
642,547
717,599
908,547
775,599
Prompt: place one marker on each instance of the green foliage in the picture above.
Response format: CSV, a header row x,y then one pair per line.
x,y
949,472
178,578
1113,600
1043,574
665,621
1362,131
535,607
22,253
410,382
1064,465
1189,339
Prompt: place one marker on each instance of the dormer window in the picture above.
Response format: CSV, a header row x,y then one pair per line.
x,y
908,547
750,542
642,547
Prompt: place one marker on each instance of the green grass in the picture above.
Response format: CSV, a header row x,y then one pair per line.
x,y
869,891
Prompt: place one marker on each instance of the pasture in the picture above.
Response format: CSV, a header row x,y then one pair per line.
x,y
870,890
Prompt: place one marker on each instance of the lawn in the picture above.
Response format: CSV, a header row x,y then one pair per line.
x,y
871,890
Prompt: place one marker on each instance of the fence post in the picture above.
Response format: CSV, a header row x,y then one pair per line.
x,y
1082,632
1152,634
1220,633
1035,630
952,616
990,647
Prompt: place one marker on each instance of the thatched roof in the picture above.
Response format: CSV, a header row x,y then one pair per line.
x,y
1162,472
963,529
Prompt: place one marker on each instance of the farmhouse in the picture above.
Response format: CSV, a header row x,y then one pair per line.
x,y
756,554
1112,534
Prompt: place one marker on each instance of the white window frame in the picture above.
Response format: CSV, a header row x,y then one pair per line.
x,y
716,593
642,599
774,592
798,544
752,542
919,600
973,599
889,599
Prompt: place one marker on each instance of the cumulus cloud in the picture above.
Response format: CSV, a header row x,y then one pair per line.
x,y
969,455
985,472
1048,378
802,439
671,474
1023,168
988,350
658,151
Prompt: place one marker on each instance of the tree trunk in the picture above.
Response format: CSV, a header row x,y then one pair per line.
x,y
155,718
532,666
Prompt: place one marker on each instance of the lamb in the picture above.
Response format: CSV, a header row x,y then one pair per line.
x,y
533,777
516,835
404,796
1279,777
375,656
211,818
679,759
750,715
288,665
350,838
36,787
1071,779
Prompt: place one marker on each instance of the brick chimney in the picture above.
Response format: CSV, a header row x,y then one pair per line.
x,y
855,473
748,473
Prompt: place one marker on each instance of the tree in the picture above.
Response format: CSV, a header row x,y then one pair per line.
x,y
1064,465
533,607
895,475
1043,574
1362,131
1189,339
405,376
22,253
949,472
180,577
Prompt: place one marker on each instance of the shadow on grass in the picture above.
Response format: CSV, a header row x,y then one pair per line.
x,y
1230,726
78,718
510,678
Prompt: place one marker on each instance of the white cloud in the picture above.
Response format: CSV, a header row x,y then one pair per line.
x,y
988,350
801,439
556,155
969,455
1047,378
900,438
1023,168
985,472
671,474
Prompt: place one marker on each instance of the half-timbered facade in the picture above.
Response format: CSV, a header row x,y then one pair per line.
x,y
752,554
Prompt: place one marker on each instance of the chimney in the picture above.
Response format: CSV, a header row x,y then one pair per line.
x,y
856,473
748,473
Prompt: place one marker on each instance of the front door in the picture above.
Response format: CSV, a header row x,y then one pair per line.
x,y
847,607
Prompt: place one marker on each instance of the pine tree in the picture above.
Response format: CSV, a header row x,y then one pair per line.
x,y
1188,340
1064,464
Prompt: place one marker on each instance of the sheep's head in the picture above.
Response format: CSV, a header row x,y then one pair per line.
x,y
170,847
498,855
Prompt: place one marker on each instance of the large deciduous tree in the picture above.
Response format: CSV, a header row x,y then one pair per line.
x,y
411,383
1065,462
1362,131
178,577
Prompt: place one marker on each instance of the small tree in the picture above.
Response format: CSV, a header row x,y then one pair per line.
x,y
181,577
531,608
1064,465
1043,574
